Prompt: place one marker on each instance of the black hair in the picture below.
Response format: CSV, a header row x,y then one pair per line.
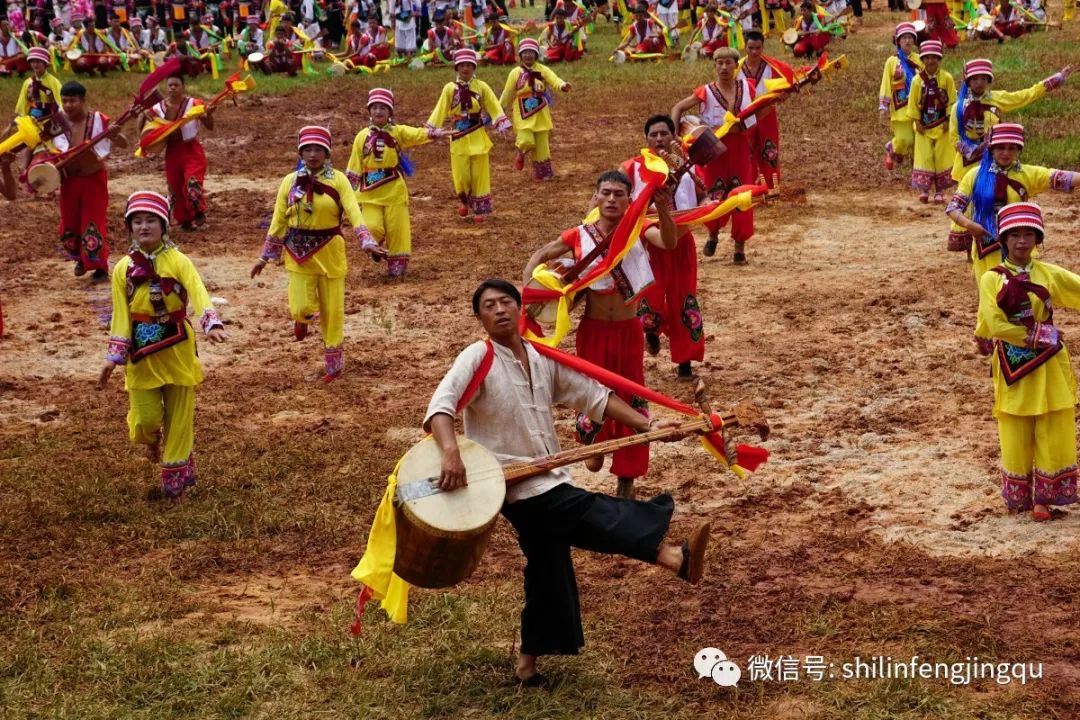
x,y
177,76
754,35
73,88
494,284
666,119
287,17
614,176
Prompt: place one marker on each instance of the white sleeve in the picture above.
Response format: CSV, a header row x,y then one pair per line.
x,y
104,147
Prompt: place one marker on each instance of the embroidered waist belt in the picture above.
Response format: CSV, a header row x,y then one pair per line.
x,y
302,244
151,334
375,178
465,125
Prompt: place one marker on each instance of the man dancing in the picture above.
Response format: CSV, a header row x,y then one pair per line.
x,y
510,415
610,334
84,186
670,304
729,93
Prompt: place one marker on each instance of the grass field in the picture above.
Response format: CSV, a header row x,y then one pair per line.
x,y
236,603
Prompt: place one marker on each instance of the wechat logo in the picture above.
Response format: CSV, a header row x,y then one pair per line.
x,y
710,662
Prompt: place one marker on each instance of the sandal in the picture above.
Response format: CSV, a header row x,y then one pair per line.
x,y
693,564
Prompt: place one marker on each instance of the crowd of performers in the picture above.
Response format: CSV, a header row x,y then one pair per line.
x,y
365,36
961,147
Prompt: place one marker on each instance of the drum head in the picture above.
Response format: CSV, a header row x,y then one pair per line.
x,y
920,26
43,177
914,4
255,58
416,64
336,69
984,23
619,57
460,511
73,54
790,36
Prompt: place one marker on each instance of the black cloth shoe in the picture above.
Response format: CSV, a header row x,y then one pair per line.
x,y
710,247
685,371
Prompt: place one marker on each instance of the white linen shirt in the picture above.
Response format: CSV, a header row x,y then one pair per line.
x,y
512,418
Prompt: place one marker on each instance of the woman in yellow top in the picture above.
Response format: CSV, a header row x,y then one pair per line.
x,y
464,103
932,92
895,90
527,87
377,170
1034,387
999,179
310,206
150,333
978,108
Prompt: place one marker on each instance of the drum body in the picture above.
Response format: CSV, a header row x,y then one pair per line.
x,y
441,536
42,175
790,36
619,57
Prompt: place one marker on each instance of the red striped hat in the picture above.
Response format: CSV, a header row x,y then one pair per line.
x,y
77,17
905,28
135,22
930,47
147,201
313,135
529,44
207,19
1020,215
981,66
1007,134
380,95
465,55
252,19
37,53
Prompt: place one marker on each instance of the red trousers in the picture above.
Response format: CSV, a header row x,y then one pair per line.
x,y
939,25
563,53
84,221
765,146
670,305
727,171
713,45
619,347
381,52
19,66
367,59
649,45
501,55
811,44
185,172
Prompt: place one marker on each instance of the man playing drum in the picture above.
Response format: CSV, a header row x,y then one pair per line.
x,y
510,414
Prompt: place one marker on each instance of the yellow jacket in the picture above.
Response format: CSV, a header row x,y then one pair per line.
x,y
891,93
366,165
293,215
475,141
526,102
51,85
1050,386
995,102
1034,178
947,86
177,364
